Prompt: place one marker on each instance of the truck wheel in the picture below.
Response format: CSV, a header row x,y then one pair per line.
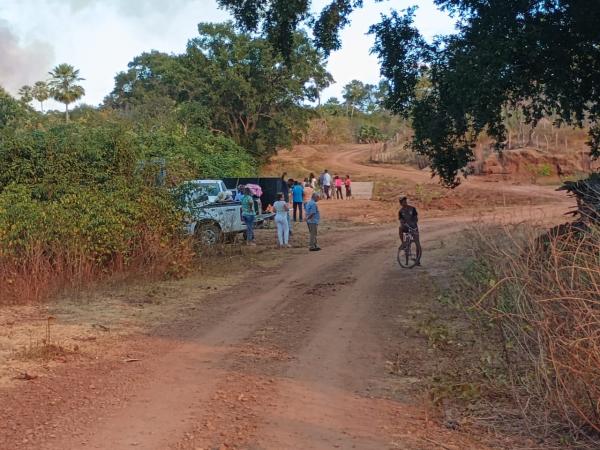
x,y
209,234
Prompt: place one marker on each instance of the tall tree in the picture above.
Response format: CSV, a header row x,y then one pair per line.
x,y
64,87
353,93
233,82
541,57
41,93
25,94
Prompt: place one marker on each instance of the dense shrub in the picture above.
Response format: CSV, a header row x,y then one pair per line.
x,y
204,154
86,200
369,134
82,236
10,109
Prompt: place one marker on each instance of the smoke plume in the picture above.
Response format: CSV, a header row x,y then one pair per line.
x,y
22,62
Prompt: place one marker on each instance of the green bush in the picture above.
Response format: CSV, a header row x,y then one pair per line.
x,y
204,154
369,134
83,200
93,224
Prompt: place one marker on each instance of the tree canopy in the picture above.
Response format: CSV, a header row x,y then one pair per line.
x,y
231,82
541,57
64,85
279,20
40,92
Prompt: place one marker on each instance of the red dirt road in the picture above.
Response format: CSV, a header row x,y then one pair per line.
x,y
293,358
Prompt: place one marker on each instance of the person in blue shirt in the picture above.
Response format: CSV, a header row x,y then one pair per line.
x,y
240,193
297,198
312,220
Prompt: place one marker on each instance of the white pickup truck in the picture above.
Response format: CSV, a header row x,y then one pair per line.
x,y
210,220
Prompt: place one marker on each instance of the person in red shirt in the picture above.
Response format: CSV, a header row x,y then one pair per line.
x,y
348,184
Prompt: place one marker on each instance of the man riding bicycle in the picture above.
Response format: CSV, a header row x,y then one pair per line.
x,y
409,219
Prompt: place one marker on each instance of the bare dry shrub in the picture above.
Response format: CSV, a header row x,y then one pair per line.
x,y
544,295
41,272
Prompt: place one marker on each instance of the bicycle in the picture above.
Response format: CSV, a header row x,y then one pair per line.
x,y
408,253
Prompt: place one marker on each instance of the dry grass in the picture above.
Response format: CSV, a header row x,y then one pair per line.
x,y
42,272
92,320
544,298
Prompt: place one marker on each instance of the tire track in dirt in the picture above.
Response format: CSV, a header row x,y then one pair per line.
x,y
162,408
314,363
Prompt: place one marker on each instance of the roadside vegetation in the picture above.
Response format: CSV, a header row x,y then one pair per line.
x,y
531,295
86,194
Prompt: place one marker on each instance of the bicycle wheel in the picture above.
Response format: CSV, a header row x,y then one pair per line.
x,y
407,254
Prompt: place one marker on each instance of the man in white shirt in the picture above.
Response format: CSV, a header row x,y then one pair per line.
x,y
327,184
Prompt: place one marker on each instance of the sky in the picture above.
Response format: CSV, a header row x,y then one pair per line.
x,y
99,37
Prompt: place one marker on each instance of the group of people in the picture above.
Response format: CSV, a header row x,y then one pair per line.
x,y
330,185
300,199
281,208
304,198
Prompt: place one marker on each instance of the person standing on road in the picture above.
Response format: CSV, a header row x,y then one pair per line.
x,y
313,181
312,220
409,223
281,209
338,188
284,187
248,215
298,197
348,184
327,184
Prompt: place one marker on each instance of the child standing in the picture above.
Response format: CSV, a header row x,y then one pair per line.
x,y
348,184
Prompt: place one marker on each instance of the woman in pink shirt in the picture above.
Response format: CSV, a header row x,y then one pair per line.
x,y
338,187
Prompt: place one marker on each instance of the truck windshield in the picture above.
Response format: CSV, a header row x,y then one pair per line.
x,y
211,189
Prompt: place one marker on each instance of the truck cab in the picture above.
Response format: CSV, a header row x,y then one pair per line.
x,y
212,188
209,220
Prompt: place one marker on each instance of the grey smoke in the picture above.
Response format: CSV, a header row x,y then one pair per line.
x,y
22,62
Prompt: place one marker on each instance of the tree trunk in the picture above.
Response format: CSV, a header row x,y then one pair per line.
x,y
67,112
42,106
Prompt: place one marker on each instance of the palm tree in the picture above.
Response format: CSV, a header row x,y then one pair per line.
x,y
64,87
41,93
26,94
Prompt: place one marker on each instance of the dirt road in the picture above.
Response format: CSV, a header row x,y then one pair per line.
x,y
293,358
